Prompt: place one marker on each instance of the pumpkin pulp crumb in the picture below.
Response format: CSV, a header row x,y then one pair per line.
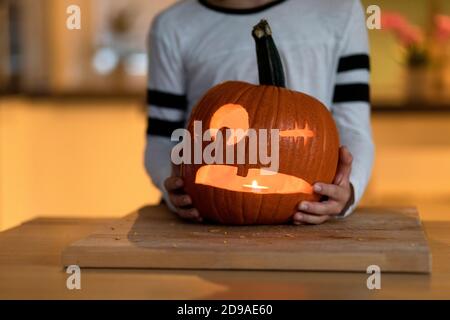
x,y
289,235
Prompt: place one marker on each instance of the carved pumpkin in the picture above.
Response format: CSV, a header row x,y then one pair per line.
x,y
308,146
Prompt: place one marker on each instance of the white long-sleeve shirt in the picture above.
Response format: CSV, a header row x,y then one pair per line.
x,y
323,46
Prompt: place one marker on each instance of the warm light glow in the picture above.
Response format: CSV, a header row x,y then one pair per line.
x,y
304,133
69,160
255,186
232,116
226,177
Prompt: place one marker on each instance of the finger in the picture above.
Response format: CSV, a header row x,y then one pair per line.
x,y
173,183
302,217
344,165
180,200
333,191
321,208
345,156
190,214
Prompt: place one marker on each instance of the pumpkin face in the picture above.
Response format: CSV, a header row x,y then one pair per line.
x,y
308,148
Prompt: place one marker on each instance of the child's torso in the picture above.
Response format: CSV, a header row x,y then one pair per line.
x,y
217,46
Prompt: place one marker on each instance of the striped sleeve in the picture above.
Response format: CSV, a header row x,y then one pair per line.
x,y
351,100
352,83
166,103
166,112
166,99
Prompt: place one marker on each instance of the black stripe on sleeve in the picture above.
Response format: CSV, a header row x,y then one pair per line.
x,y
162,128
167,100
355,92
354,62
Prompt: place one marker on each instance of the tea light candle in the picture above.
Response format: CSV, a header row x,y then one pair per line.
x,y
255,187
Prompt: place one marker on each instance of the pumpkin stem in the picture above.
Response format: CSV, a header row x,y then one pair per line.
x,y
270,67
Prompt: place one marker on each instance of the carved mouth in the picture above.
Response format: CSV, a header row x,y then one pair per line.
x,y
226,177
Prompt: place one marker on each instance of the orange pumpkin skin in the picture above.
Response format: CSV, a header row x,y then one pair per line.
x,y
268,107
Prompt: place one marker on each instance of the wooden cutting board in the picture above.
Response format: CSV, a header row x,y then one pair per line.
x,y
152,237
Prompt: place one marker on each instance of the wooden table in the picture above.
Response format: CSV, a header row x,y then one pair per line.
x,y
153,238
30,268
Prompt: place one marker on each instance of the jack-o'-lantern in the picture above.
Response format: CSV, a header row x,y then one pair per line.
x,y
308,146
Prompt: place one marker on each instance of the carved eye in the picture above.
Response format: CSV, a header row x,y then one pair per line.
x,y
232,116
304,133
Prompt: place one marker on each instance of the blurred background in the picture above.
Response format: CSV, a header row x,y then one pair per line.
x,y
73,115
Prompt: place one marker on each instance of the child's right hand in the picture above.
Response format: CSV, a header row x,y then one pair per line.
x,y
180,200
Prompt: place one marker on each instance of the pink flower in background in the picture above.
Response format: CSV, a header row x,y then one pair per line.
x,y
392,21
407,34
442,32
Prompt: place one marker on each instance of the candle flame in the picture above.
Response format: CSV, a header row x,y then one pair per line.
x,y
255,186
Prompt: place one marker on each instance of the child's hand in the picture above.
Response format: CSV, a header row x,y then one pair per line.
x,y
340,195
180,200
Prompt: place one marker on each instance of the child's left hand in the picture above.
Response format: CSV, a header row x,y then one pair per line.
x,y
340,195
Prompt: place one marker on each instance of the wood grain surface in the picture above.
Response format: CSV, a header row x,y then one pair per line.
x,y
30,268
152,237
